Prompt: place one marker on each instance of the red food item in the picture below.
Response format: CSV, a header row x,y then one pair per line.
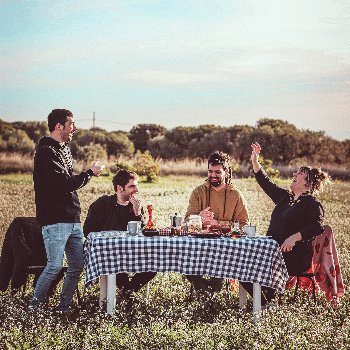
x,y
150,225
225,228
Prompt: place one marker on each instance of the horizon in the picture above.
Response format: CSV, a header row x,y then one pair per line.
x,y
77,122
178,63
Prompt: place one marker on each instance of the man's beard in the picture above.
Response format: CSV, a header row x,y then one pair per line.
x,y
215,184
126,198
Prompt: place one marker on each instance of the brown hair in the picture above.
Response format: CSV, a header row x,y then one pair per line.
x,y
122,177
221,158
317,178
58,116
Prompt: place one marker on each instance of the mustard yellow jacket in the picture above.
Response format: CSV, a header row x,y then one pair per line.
x,y
228,205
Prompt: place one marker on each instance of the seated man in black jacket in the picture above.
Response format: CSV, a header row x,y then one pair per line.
x,y
113,213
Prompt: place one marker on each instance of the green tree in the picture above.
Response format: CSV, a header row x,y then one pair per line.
x,y
91,136
204,130
142,133
346,145
83,138
35,130
89,153
119,144
240,138
17,141
217,141
160,147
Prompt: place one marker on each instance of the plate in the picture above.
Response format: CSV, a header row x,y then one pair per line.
x,y
234,235
257,236
221,229
150,233
206,235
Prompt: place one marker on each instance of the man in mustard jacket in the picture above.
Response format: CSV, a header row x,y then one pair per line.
x,y
217,202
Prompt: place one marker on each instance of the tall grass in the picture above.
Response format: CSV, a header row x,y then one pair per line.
x,y
169,320
17,163
337,172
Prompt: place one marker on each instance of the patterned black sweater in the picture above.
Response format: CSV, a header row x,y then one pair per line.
x,y
55,184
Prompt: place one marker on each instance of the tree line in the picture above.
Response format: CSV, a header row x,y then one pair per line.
x,y
281,141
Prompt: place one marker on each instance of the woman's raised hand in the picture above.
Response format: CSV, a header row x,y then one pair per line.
x,y
255,156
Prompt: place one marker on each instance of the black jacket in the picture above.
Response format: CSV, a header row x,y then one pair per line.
x,y
23,246
106,214
55,184
305,216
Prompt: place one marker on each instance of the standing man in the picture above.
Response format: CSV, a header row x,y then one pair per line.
x,y
113,213
58,207
217,202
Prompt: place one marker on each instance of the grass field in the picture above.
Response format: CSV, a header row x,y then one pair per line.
x,y
168,320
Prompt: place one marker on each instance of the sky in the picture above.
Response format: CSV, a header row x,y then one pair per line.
x,y
177,62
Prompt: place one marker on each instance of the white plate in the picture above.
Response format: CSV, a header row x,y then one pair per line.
x,y
257,236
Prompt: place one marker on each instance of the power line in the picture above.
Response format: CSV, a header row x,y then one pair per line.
x,y
105,121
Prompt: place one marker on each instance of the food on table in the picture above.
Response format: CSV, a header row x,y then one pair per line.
x,y
150,229
219,228
150,225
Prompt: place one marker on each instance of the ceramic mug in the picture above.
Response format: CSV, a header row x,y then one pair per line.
x,y
134,227
249,230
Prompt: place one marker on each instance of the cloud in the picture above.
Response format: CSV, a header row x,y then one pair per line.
x,y
172,78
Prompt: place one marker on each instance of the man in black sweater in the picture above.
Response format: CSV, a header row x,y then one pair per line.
x,y
58,207
113,213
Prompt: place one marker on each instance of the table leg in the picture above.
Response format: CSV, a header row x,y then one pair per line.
x,y
147,291
111,286
256,301
103,289
242,297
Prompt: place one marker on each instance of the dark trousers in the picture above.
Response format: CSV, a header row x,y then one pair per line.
x,y
136,282
267,294
211,284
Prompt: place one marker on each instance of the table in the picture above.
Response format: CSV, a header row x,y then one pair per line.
x,y
255,260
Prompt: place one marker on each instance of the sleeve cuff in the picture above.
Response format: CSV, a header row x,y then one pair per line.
x,y
90,173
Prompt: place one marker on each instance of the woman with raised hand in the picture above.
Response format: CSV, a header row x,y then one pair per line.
x,y
297,217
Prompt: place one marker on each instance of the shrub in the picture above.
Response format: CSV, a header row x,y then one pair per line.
x,y
146,166
237,171
266,164
122,165
91,152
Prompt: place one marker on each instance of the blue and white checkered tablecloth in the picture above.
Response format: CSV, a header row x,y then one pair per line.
x,y
255,260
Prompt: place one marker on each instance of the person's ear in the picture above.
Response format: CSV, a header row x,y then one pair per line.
x,y
119,188
58,127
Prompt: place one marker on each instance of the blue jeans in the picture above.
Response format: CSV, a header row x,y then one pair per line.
x,y
60,238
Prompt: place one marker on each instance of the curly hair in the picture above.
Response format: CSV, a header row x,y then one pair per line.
x,y
122,177
317,178
221,158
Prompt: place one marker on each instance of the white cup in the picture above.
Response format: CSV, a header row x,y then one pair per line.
x,y
134,227
249,230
